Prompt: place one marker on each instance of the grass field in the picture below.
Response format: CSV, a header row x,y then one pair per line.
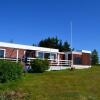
x,y
55,85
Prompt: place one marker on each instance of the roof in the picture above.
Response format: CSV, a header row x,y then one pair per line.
x,y
27,47
86,51
79,52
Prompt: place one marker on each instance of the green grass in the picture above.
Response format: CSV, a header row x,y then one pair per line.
x,y
55,85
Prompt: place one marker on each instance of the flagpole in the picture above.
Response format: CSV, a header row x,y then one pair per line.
x,y
71,34
71,45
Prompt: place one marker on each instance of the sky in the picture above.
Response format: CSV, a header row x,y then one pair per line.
x,y
29,21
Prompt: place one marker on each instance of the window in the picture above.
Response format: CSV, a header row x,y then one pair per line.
x,y
47,55
30,53
77,60
1,53
53,56
40,54
69,56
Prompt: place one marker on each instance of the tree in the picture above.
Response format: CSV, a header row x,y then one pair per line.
x,y
56,43
66,46
60,45
34,44
94,57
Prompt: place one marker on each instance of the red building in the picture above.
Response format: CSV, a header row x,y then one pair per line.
x,y
58,60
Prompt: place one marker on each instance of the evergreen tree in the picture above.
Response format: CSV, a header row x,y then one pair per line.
x,y
66,46
54,42
94,57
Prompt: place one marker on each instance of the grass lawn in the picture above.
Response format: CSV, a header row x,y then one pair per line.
x,y
55,85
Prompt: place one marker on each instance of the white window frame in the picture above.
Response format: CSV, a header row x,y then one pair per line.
x,y
4,51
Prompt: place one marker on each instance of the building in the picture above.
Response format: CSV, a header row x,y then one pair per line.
x,y
58,60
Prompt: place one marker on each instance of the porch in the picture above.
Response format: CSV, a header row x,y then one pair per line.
x,y
57,60
16,55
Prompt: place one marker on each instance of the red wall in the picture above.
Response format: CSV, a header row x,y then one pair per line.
x,y
62,56
79,56
86,59
12,52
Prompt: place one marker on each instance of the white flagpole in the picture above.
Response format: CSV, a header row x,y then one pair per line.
x,y
71,45
71,35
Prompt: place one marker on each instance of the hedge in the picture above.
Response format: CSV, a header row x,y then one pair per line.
x,y
10,70
39,66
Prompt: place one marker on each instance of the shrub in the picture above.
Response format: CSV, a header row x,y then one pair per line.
x,y
9,70
39,65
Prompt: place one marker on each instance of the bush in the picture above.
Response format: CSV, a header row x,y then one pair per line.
x,y
39,66
9,70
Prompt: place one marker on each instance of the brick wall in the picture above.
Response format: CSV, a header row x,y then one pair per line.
x,y
12,52
62,56
77,59
86,59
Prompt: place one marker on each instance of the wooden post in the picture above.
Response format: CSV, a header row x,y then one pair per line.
x,y
58,58
17,55
36,54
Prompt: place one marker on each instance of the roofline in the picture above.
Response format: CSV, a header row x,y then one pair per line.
x,y
28,47
79,52
86,51
74,52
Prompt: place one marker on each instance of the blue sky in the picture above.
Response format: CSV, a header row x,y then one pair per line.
x,y
29,21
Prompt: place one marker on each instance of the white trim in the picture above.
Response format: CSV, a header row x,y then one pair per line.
x,y
74,52
27,47
24,53
81,66
79,52
36,54
43,56
61,52
53,57
86,51
58,59
4,52
17,55
68,67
